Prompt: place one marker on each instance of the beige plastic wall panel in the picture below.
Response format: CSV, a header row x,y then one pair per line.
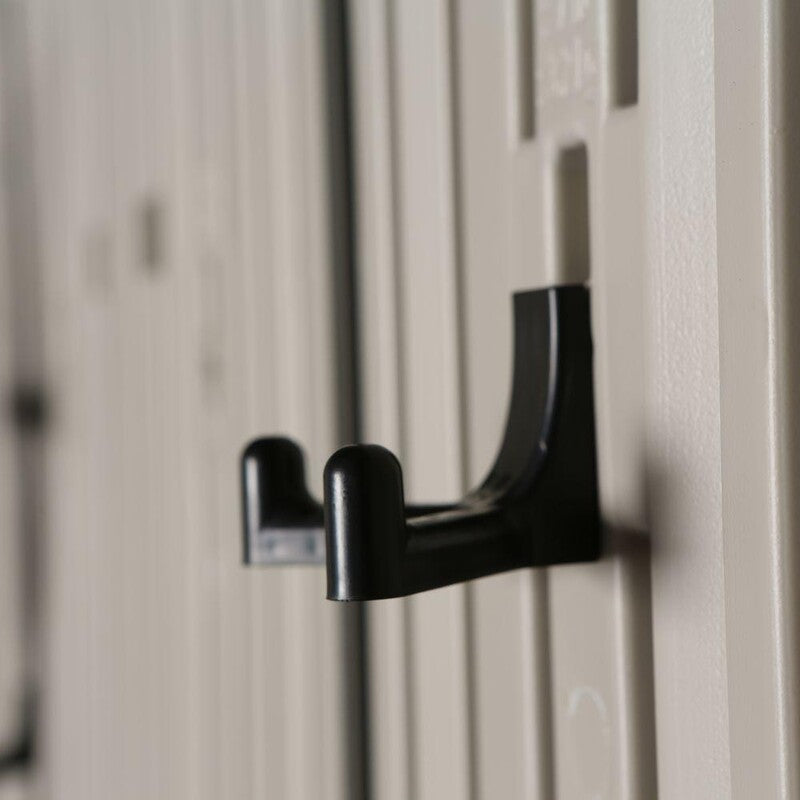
x,y
16,787
268,749
756,183
222,355
193,675
67,574
185,161
683,423
419,675
131,680
182,672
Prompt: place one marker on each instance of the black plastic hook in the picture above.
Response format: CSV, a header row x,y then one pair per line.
x,y
537,506
282,521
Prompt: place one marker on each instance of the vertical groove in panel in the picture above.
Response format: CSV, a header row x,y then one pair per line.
x,y
23,383
342,209
588,707
403,606
462,361
341,184
783,26
540,780
12,617
635,658
403,668
391,767
457,233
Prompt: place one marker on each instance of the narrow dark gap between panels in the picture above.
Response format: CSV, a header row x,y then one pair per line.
x,y
26,401
454,68
341,181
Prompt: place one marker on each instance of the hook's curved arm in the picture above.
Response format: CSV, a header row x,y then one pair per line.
x,y
537,506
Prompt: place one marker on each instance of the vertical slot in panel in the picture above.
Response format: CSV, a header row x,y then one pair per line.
x,y
600,629
583,620
624,52
572,209
525,60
